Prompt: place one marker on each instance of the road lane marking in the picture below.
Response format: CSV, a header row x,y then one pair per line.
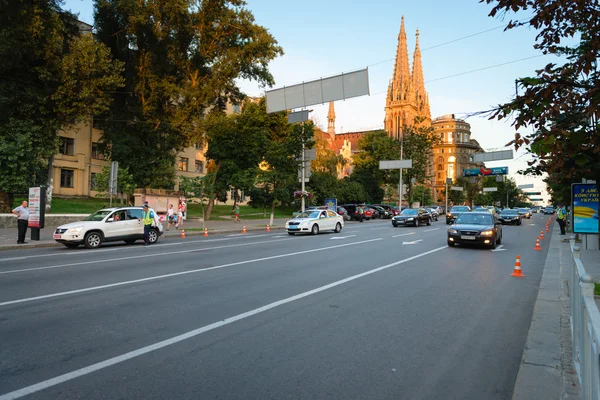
x,y
14,271
413,242
196,332
429,230
404,234
153,278
376,229
342,237
67,252
499,248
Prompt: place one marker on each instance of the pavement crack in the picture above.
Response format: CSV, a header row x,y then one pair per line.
x,y
541,365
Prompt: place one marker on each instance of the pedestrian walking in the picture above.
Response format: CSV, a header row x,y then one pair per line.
x,y
361,213
22,213
171,217
148,220
561,217
236,210
180,212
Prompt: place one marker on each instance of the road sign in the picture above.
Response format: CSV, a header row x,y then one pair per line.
x,y
490,189
499,178
298,116
493,156
448,181
459,188
533,193
526,186
485,171
395,164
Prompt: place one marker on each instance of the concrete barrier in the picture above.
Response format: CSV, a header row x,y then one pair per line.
x,y
52,220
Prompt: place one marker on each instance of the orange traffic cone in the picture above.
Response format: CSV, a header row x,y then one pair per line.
x,y
183,233
537,244
542,235
547,228
517,271
205,232
244,229
268,228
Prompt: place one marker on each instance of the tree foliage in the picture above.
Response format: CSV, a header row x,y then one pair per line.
x,y
125,185
561,103
418,146
51,77
182,59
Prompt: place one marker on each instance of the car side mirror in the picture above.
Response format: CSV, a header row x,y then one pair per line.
x,y
110,220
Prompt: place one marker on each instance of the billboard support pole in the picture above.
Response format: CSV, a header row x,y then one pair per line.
x,y
400,183
303,173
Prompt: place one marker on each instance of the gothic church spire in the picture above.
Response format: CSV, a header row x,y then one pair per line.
x,y
331,120
421,98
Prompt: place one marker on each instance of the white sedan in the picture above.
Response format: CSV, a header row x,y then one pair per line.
x,y
314,221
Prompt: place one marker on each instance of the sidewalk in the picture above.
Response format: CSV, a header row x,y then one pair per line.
x,y
547,370
193,227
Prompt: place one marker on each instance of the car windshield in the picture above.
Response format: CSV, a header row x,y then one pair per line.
x,y
474,219
525,210
459,209
309,214
509,212
409,211
98,215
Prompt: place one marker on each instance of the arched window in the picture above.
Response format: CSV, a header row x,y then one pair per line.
x,y
451,161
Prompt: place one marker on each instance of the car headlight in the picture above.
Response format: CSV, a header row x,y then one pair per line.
x,y
77,229
452,231
409,219
487,233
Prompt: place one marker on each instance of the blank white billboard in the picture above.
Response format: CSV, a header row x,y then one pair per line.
x,y
493,156
324,90
395,164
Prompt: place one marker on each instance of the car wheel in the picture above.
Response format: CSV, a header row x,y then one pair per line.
x,y
519,223
71,245
428,222
153,236
394,225
130,241
451,244
315,229
93,240
338,228
291,233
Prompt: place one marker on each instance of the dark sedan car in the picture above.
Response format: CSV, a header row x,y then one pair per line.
x,y
383,213
475,228
510,216
455,212
412,216
390,210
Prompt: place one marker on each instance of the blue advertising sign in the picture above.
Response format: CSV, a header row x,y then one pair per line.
x,y
584,200
483,171
331,204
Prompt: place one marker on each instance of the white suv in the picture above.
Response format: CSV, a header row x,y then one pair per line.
x,y
108,225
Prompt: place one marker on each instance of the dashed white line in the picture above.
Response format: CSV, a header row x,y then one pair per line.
x,y
404,234
429,230
153,278
196,332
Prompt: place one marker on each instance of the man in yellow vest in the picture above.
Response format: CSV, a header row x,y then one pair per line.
x,y
561,217
148,220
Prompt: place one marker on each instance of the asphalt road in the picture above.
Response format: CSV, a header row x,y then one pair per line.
x,y
373,312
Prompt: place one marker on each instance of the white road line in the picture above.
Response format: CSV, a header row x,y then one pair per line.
x,y
96,251
499,248
385,227
14,271
404,234
429,230
342,237
153,278
196,332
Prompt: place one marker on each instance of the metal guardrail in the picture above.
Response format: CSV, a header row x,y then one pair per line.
x,y
585,327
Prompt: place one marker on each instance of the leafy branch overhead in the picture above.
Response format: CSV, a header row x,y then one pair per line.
x,y
561,103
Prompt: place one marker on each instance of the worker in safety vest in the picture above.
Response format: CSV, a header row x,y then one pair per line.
x,y
148,220
561,217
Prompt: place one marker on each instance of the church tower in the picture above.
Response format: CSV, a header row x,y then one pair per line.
x,y
406,95
331,120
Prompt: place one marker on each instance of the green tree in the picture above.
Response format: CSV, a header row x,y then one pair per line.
x,y
349,191
125,185
376,146
183,59
423,195
52,77
322,185
417,145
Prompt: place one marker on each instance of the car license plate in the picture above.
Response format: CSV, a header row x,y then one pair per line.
x,y
56,236
467,237
401,222
293,227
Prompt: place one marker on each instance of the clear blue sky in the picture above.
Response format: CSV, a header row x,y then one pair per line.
x,y
327,37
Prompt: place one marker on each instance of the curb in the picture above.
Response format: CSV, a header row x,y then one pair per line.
x,y
31,245
542,372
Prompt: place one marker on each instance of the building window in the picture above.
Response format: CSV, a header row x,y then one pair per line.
x,y
93,181
232,194
199,167
66,146
182,165
242,196
96,153
450,138
442,151
439,175
66,178
198,146
440,166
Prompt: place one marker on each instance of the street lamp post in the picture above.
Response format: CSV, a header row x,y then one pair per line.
x,y
400,183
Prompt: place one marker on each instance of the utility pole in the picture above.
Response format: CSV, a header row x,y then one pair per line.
x,y
400,183
303,174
